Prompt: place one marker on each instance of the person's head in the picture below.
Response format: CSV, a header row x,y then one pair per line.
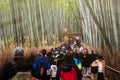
x,y
96,52
100,57
92,52
68,58
18,52
43,51
68,48
53,63
85,50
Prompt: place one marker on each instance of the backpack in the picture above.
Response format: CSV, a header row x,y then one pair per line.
x,y
94,69
39,68
69,75
24,64
78,63
10,70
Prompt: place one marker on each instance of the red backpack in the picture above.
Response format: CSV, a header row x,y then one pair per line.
x,y
70,75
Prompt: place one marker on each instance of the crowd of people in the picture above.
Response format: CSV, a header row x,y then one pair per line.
x,y
70,61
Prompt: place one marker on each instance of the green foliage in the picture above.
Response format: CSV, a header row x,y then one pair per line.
x,y
10,41
4,5
2,42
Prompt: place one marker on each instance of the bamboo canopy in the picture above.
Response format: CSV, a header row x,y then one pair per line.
x,y
42,22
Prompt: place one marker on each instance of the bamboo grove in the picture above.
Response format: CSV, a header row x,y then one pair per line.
x,y
42,22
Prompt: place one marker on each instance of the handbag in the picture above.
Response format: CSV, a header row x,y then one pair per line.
x,y
94,69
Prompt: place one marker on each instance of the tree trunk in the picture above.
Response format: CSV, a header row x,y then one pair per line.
x,y
99,26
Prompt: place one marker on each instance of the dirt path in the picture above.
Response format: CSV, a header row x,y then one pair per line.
x,y
27,76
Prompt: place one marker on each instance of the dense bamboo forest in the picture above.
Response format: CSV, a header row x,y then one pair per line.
x,y
44,22
39,22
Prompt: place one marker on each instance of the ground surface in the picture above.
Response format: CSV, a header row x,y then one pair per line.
x,y
27,76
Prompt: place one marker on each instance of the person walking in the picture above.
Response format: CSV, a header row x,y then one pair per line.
x,y
40,66
11,68
53,70
101,67
66,70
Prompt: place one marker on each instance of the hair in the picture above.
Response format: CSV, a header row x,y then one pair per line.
x,y
43,51
86,50
68,58
68,48
100,57
18,51
92,51
53,63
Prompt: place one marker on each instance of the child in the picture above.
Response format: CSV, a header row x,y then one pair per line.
x,y
48,74
53,70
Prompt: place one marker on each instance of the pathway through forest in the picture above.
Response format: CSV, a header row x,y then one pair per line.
x,y
27,76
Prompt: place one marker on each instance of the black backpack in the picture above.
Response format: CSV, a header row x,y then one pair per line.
x,y
10,70
24,64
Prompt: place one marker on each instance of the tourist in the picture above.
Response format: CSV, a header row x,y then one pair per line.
x,y
101,67
53,70
11,68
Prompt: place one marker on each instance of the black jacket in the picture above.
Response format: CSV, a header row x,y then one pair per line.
x,y
65,67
